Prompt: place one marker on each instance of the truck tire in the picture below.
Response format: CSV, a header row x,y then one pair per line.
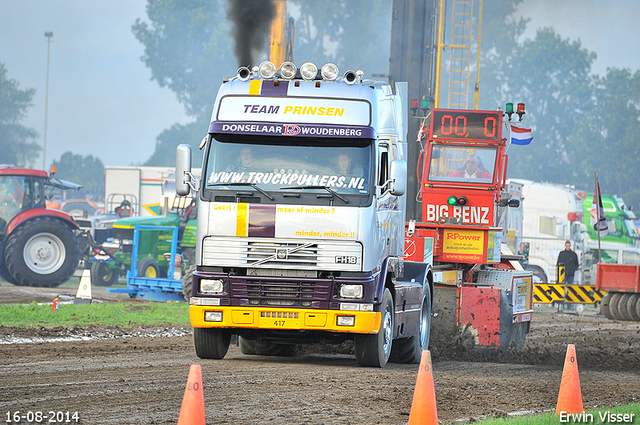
x,y
147,267
409,350
265,348
187,283
102,274
622,307
604,305
638,306
42,252
374,350
211,343
631,307
613,306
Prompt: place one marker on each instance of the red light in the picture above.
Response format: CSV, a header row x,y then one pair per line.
x,y
414,103
520,107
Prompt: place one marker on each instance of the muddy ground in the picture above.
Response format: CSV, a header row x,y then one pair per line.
x,y
138,376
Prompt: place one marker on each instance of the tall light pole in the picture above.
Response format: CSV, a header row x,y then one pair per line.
x,y
48,35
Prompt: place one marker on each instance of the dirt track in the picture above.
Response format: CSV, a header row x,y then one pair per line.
x,y
138,376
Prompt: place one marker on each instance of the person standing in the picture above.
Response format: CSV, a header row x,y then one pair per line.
x,y
568,259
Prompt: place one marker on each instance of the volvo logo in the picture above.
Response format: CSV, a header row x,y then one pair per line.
x,y
282,253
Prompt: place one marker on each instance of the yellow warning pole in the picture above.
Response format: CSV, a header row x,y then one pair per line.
x,y
477,88
439,45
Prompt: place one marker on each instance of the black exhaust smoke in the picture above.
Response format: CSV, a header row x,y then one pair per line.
x,y
251,27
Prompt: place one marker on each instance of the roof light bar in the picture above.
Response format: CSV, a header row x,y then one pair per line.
x,y
329,71
288,70
308,71
267,70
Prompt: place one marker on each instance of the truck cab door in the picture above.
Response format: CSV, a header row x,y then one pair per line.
x,y
388,209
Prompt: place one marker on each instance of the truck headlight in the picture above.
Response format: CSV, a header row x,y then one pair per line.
x,y
351,291
211,286
213,316
346,321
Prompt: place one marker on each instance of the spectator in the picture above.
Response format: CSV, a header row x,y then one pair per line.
x,y
568,259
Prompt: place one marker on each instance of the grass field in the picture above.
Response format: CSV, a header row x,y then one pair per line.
x,y
127,313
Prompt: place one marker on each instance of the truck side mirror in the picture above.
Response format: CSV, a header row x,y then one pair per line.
x,y
398,177
183,169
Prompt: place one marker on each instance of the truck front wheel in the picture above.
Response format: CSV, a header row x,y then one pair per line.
x,y
374,350
42,252
211,343
409,350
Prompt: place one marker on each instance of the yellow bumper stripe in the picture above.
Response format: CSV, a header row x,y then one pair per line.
x,y
366,322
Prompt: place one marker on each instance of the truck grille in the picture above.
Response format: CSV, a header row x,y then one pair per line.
x,y
281,253
292,293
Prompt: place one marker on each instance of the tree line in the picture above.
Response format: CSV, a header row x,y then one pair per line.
x,y
582,122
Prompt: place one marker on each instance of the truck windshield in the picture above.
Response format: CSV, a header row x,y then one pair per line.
x,y
462,164
281,167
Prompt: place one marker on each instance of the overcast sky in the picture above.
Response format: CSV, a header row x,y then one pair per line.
x,y
101,99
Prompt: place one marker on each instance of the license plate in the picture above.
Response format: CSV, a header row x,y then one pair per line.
x,y
280,319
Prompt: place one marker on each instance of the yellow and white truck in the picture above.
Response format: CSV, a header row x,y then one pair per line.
x,y
301,218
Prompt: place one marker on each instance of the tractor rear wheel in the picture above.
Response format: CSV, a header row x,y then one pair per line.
x,y
4,274
43,251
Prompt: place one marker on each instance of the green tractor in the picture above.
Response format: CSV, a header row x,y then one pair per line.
x,y
112,258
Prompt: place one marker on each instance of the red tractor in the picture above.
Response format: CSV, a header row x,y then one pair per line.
x,y
38,246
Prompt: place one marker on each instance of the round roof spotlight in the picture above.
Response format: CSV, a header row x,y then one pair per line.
x,y
350,77
359,74
309,71
243,73
288,70
329,72
267,70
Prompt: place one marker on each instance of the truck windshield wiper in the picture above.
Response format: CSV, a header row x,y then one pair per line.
x,y
253,185
327,188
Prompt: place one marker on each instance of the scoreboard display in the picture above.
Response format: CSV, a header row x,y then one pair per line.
x,y
453,124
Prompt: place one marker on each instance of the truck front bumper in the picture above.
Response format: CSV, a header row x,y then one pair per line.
x,y
230,317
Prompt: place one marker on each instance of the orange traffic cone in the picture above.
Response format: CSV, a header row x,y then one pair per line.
x,y
192,410
423,406
570,397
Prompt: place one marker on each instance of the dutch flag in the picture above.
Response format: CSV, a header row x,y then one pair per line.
x,y
521,136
